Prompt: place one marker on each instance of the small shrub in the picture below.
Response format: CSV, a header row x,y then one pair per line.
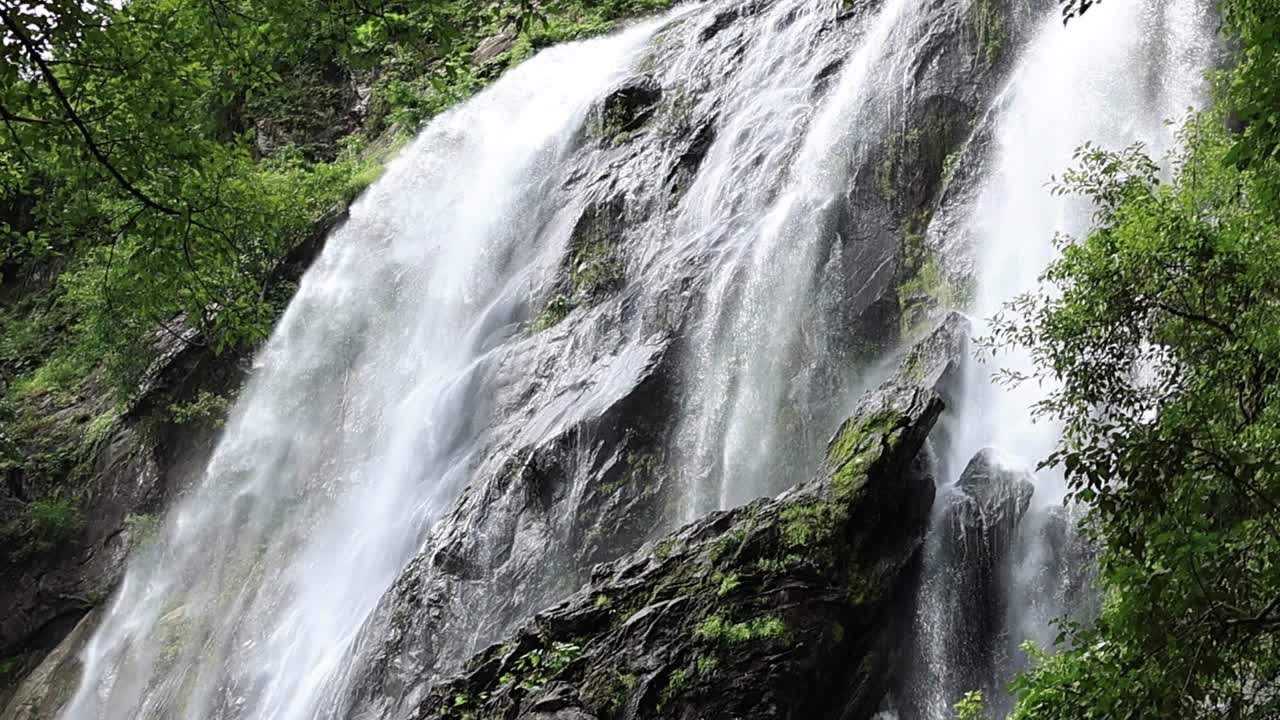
x,y
205,406
728,583
715,629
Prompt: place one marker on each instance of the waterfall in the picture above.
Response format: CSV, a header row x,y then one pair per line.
x,y
639,279
755,349
1112,78
362,420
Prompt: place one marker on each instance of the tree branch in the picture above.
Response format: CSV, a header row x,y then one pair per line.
x,y
51,80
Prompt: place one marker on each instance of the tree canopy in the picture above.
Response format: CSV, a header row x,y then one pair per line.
x,y
1161,328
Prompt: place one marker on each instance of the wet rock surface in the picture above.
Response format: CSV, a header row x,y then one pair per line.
x,y
976,550
576,471
785,608
138,464
45,689
990,499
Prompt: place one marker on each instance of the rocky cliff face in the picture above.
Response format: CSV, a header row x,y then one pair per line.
x,y
784,608
140,460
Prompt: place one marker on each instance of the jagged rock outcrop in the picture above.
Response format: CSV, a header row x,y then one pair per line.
x,y
974,552
989,501
785,608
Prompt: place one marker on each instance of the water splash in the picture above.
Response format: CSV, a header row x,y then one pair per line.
x,y
388,382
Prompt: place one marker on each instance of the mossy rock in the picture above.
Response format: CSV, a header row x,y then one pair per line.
x,y
783,608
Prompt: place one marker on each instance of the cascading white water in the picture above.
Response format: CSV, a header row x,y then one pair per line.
x,y
749,354
1111,78
361,420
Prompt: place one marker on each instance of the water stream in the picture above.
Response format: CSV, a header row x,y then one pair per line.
x,y
361,422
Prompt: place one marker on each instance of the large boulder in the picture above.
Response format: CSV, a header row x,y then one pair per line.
x,y
785,608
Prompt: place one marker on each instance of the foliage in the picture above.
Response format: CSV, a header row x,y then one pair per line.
x,y
40,526
972,706
160,160
206,406
536,667
717,630
133,138
142,528
1160,334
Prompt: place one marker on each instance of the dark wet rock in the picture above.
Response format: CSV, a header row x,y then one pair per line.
x,y
727,17
611,470
977,548
577,472
937,360
783,608
43,691
991,498
449,591
511,530
627,109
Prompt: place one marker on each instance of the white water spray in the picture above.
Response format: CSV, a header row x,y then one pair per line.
x,y
374,403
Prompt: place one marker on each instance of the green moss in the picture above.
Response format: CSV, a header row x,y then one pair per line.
x,y
924,285
732,541
602,601
594,269
555,311
706,664
715,629
993,37
666,548
676,683
812,523
771,566
96,430
616,693
611,126
725,583
950,164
